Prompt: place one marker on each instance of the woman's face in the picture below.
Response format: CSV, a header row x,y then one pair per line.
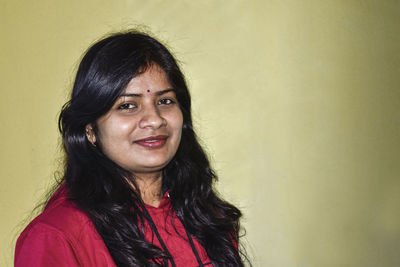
x,y
142,131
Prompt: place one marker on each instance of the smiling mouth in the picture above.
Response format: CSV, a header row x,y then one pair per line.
x,y
153,141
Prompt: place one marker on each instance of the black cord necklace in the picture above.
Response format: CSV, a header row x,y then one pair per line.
x,y
196,254
154,228
164,247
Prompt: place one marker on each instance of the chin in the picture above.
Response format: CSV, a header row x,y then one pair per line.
x,y
155,165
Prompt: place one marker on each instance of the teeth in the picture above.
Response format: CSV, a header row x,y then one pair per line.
x,y
150,141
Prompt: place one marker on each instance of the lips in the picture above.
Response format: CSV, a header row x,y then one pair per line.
x,y
153,141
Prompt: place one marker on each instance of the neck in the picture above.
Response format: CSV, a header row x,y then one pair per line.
x,y
150,187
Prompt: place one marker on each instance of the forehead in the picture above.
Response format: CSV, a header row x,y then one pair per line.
x,y
153,79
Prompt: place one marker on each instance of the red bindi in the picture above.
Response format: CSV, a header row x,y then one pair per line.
x,y
148,91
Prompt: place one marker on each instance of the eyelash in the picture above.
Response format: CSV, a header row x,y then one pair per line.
x,y
127,106
164,101
170,101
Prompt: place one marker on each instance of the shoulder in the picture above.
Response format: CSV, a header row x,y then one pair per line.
x,y
61,216
61,232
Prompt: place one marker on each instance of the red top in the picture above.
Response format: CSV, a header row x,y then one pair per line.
x,y
63,235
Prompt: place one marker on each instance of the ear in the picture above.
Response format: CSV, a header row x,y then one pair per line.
x,y
90,134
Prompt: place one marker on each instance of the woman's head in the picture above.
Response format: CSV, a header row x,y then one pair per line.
x,y
142,130
128,88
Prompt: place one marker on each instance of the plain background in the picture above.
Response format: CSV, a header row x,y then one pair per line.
x,y
297,103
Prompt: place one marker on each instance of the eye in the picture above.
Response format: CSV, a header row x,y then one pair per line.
x,y
127,106
166,101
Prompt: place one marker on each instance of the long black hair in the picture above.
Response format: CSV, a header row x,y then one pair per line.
x,y
99,186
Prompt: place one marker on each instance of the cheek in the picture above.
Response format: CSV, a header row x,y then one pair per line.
x,y
177,123
124,126
114,130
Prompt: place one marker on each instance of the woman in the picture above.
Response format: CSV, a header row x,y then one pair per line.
x,y
137,188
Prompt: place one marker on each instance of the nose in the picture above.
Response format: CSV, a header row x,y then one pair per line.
x,y
152,118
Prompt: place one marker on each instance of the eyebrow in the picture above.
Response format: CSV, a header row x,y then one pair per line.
x,y
157,93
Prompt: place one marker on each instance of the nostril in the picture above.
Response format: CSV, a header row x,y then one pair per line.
x,y
152,120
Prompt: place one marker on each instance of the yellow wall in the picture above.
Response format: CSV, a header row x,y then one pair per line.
x,y
297,101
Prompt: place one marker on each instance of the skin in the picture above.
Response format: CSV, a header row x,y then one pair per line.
x,y
146,108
